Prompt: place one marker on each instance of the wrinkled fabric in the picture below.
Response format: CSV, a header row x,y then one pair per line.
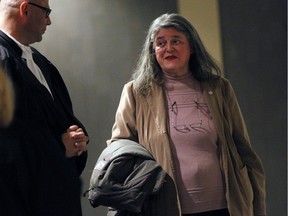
x,y
36,177
124,178
144,119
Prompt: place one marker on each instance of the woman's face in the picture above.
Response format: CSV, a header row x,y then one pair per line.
x,y
172,51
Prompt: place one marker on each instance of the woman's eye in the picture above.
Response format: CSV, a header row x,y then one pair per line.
x,y
160,43
176,41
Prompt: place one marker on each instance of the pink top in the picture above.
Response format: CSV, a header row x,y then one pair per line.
x,y
199,179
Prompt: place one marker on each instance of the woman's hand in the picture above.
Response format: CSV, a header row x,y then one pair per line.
x,y
75,141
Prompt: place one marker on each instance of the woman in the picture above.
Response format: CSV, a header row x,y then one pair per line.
x,y
180,108
6,99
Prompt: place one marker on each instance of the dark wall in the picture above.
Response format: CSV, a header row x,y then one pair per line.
x,y
95,45
254,37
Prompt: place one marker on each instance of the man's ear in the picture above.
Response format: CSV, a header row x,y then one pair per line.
x,y
23,8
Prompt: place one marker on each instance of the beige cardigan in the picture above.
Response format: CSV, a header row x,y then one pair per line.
x,y
144,120
6,99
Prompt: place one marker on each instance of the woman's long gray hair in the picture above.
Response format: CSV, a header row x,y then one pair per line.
x,y
201,64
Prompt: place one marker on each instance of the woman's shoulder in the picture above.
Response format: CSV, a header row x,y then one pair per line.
x,y
131,86
219,85
215,81
129,89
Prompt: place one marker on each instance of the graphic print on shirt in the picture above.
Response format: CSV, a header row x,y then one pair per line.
x,y
189,110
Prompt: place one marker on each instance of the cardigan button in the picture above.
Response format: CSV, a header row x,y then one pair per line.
x,y
210,92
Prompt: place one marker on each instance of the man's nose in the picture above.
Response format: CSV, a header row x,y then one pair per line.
x,y
48,21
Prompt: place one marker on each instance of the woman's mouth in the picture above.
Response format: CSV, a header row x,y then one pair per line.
x,y
170,57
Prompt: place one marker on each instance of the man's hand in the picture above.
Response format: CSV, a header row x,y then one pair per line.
x,y
75,141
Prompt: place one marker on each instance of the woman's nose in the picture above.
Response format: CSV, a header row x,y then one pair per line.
x,y
170,47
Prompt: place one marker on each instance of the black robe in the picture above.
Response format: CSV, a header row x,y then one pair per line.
x,y
35,176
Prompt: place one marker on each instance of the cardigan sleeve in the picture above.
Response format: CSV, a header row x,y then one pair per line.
x,y
6,99
125,118
249,157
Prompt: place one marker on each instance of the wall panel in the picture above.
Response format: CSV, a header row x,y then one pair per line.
x,y
254,35
95,45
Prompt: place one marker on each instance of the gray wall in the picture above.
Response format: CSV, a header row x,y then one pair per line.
x,y
95,45
255,60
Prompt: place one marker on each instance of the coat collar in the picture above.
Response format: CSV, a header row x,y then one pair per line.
x,y
11,43
157,103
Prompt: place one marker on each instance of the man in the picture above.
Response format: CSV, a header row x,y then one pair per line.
x,y
43,149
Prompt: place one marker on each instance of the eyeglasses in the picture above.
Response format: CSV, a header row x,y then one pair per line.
x,y
46,10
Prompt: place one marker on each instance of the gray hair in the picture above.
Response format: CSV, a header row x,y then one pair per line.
x,y
201,64
10,3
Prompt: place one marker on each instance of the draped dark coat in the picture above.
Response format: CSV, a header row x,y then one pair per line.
x,y
35,176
